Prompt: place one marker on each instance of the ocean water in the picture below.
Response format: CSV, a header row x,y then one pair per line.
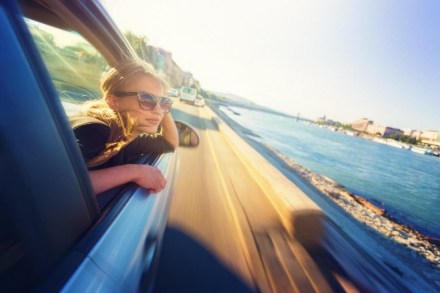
x,y
405,183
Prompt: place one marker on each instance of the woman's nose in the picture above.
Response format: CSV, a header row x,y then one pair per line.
x,y
157,108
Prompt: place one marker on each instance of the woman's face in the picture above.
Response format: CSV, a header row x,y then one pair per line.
x,y
145,120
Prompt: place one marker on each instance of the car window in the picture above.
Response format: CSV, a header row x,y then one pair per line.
x,y
73,64
188,90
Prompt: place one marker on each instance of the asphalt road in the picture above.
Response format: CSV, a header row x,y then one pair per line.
x,y
216,209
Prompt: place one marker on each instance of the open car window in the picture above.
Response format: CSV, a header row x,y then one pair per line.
x,y
53,234
74,65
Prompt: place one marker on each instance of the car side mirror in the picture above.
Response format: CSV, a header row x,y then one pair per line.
x,y
188,137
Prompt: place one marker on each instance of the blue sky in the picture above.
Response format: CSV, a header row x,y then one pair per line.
x,y
341,58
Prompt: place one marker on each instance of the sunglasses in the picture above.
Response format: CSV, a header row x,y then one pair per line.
x,y
148,101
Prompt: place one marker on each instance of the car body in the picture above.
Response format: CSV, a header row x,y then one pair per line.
x,y
199,101
56,235
188,94
172,93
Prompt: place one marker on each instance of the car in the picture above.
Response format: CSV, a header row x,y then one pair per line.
x,y
188,94
172,93
56,234
199,101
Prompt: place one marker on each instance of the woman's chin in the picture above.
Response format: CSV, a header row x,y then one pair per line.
x,y
147,129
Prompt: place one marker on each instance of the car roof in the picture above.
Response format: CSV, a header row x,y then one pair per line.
x,y
87,18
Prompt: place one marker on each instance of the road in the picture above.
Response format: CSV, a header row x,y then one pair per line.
x,y
223,234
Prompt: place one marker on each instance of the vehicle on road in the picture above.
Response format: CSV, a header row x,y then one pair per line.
x,y
199,101
172,93
56,234
188,94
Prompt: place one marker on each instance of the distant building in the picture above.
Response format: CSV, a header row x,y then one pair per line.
x,y
413,133
321,120
384,131
369,127
431,138
330,122
390,130
409,132
429,135
157,57
175,75
163,62
361,124
187,78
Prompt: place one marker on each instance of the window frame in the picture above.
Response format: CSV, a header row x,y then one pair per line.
x,y
38,210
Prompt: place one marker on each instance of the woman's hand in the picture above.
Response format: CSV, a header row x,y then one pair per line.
x,y
151,178
169,130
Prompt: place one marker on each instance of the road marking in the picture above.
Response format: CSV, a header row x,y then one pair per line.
x,y
231,206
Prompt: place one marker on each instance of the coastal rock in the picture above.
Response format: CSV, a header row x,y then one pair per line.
x,y
404,235
395,233
414,242
369,205
402,241
334,195
387,224
431,258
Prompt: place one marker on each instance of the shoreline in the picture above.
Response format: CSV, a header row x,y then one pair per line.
x,y
355,205
367,213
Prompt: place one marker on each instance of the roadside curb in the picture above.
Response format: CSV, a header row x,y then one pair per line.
x,y
300,216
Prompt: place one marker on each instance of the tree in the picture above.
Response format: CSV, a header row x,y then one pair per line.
x,y
42,37
403,138
140,45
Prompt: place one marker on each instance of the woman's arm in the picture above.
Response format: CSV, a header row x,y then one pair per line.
x,y
146,176
169,130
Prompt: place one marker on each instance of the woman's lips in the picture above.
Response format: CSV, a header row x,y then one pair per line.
x,y
150,122
154,120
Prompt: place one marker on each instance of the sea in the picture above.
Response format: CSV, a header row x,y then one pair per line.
x,y
405,183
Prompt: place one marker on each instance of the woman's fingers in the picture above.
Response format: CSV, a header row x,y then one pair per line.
x,y
152,179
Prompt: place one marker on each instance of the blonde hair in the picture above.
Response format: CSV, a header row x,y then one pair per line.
x,y
114,79
121,126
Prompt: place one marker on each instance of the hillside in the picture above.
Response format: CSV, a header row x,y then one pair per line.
x,y
234,100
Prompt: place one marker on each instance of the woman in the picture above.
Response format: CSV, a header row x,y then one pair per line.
x,y
116,130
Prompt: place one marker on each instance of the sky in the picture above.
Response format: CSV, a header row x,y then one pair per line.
x,y
345,59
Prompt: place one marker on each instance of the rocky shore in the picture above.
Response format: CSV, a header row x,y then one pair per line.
x,y
367,213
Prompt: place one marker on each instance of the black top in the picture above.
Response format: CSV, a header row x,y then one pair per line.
x,y
92,136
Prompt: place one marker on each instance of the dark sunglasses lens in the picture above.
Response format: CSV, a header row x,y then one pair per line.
x,y
166,104
147,101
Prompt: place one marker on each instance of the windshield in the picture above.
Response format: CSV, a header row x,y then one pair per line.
x,y
188,90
